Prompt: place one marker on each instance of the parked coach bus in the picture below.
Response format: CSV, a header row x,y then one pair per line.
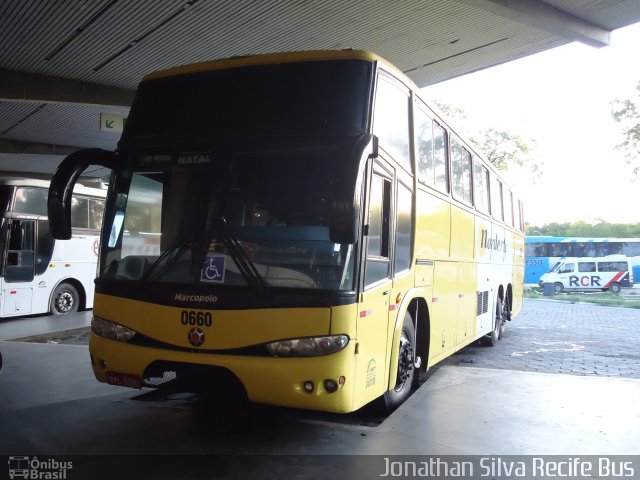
x,y
323,234
543,253
37,273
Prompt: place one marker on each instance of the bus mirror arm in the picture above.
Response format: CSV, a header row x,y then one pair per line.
x,y
374,147
344,208
62,183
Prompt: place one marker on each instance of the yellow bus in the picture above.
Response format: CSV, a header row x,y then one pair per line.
x,y
300,228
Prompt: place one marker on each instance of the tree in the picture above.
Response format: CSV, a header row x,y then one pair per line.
x,y
627,114
507,151
582,229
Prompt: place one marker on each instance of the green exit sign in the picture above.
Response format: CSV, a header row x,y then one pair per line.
x,y
112,123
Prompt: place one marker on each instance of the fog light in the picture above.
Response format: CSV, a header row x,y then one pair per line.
x,y
341,380
308,386
330,385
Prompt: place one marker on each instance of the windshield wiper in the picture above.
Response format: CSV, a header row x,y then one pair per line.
x,y
174,251
239,255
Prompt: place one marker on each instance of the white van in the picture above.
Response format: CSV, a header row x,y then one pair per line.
x,y
590,273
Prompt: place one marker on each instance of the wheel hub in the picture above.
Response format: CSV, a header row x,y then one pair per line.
x,y
65,302
405,362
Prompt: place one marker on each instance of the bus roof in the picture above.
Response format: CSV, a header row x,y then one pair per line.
x,y
267,59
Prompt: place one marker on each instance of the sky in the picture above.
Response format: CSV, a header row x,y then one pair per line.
x,y
560,102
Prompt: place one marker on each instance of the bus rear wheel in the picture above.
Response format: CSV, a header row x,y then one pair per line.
x,y
65,299
394,397
615,287
491,339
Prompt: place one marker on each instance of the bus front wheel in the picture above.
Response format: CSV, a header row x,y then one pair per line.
x,y
65,299
394,397
558,287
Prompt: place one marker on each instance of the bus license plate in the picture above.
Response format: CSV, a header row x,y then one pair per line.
x,y
124,380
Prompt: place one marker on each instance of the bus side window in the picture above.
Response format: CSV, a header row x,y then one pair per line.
x,y
404,230
20,254
44,246
377,263
391,120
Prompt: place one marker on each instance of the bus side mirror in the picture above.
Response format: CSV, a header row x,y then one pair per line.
x,y
62,183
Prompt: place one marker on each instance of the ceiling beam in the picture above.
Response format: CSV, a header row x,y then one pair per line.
x,y
542,16
29,87
32,148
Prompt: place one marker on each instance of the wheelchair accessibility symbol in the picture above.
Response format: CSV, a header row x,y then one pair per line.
x,y
213,269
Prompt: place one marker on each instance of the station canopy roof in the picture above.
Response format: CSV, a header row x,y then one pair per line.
x,y
63,64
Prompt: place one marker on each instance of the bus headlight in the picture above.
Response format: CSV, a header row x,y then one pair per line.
x,y
308,346
111,330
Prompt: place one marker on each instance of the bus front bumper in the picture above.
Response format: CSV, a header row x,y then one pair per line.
x,y
291,382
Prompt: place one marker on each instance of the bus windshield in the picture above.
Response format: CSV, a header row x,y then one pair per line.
x,y
260,218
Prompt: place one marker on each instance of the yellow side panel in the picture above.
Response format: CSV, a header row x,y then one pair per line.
x,y
467,302
371,361
444,310
518,273
462,233
433,222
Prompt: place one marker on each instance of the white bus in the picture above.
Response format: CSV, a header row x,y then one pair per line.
x,y
37,273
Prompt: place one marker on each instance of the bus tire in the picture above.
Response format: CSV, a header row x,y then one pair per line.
x,y
491,339
615,287
395,396
558,287
65,299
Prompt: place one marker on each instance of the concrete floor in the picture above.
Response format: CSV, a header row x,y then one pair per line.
x,y
50,405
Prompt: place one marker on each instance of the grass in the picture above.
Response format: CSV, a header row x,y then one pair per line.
x,y
600,298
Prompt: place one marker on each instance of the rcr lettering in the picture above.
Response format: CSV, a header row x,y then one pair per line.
x,y
584,281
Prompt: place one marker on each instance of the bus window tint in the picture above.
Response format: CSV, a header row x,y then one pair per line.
x,y
567,268
559,250
96,212
535,249
44,246
460,172
377,265
391,120
508,208
613,266
440,157
424,142
586,266
616,248
403,229
31,201
497,207
481,186
79,212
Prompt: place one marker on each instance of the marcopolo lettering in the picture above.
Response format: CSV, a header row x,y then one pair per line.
x,y
181,297
584,281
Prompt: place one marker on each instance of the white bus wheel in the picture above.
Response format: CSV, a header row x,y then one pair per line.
x,y
65,299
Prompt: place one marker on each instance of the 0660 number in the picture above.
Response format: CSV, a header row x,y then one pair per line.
x,y
191,317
